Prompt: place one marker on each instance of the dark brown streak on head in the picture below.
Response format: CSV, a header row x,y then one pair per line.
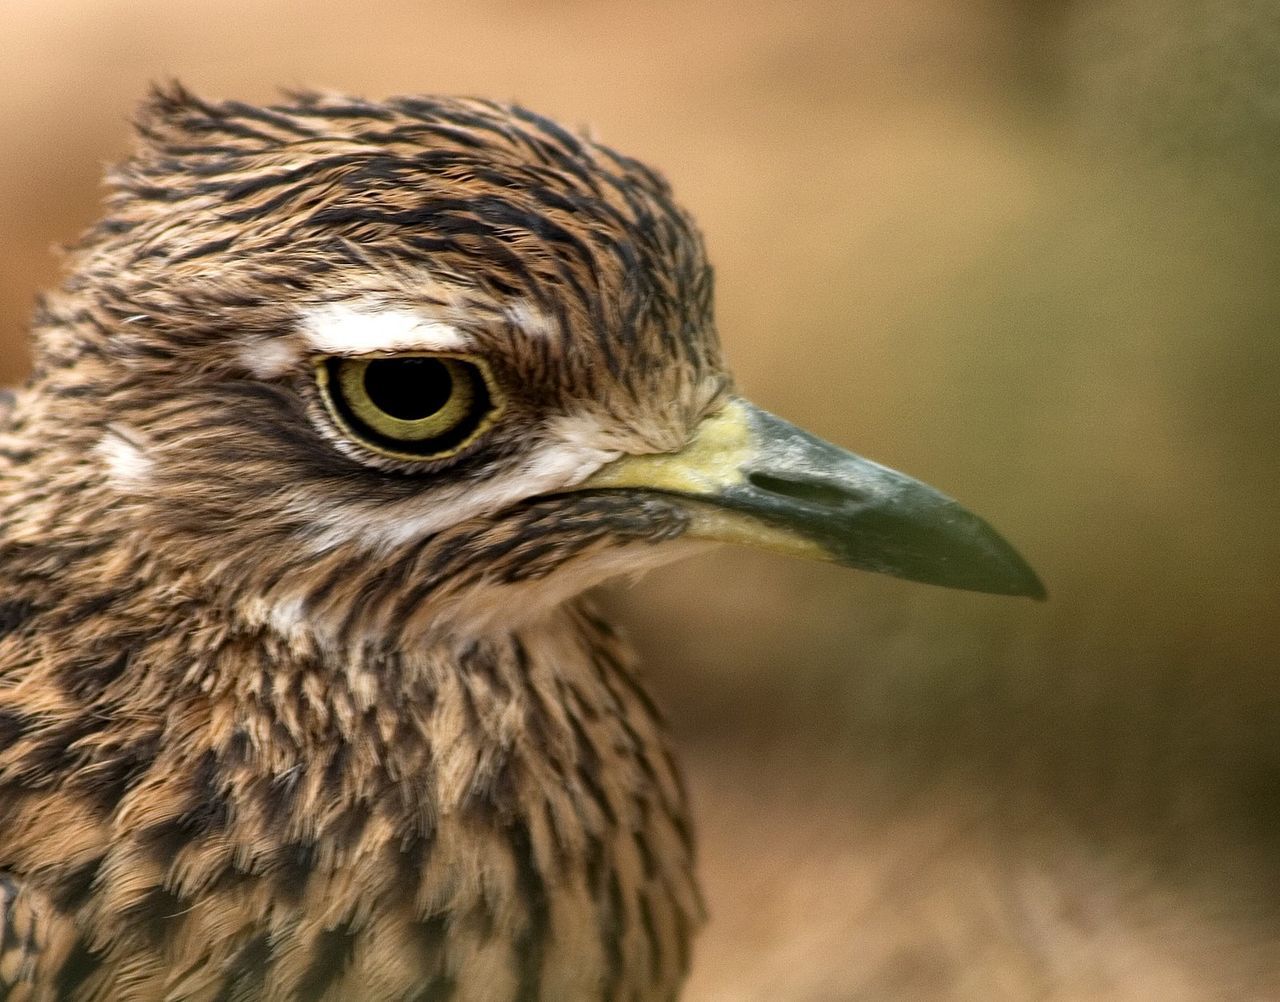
x,y
445,182
222,682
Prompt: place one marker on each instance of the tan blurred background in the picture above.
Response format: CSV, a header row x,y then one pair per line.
x,y
1027,251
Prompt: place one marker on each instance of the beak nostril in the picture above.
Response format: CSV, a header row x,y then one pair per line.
x,y
804,490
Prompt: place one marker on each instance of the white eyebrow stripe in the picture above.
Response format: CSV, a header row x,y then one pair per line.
x,y
346,329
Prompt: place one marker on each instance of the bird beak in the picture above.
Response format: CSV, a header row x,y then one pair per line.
x,y
752,478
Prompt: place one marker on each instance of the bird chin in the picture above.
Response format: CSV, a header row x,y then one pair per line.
x,y
501,607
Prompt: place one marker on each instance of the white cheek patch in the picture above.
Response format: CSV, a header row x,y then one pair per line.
x,y
354,329
559,465
504,607
123,453
383,528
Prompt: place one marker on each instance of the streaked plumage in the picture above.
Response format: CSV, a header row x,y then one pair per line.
x,y
289,714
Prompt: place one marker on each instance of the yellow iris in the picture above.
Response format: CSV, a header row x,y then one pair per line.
x,y
409,406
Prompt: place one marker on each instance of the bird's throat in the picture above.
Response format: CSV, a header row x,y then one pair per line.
x,y
502,813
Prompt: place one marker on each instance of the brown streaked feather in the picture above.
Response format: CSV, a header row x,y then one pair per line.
x,y
260,740
449,819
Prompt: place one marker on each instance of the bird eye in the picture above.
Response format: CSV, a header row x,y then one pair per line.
x,y
409,406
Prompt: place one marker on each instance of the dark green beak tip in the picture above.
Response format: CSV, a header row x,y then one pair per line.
x,y
924,536
875,518
961,550
1024,581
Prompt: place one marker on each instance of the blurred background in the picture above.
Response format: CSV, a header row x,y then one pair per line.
x,y
1027,251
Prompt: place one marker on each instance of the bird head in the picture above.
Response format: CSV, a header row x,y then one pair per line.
x,y
376,368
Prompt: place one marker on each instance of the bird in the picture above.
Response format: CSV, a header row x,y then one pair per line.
x,y
337,416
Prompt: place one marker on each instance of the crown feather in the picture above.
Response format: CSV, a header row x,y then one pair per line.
x,y
170,112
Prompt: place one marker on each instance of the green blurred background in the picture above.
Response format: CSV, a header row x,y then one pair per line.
x,y
1025,251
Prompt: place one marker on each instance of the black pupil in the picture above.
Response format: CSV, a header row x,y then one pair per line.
x,y
408,388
